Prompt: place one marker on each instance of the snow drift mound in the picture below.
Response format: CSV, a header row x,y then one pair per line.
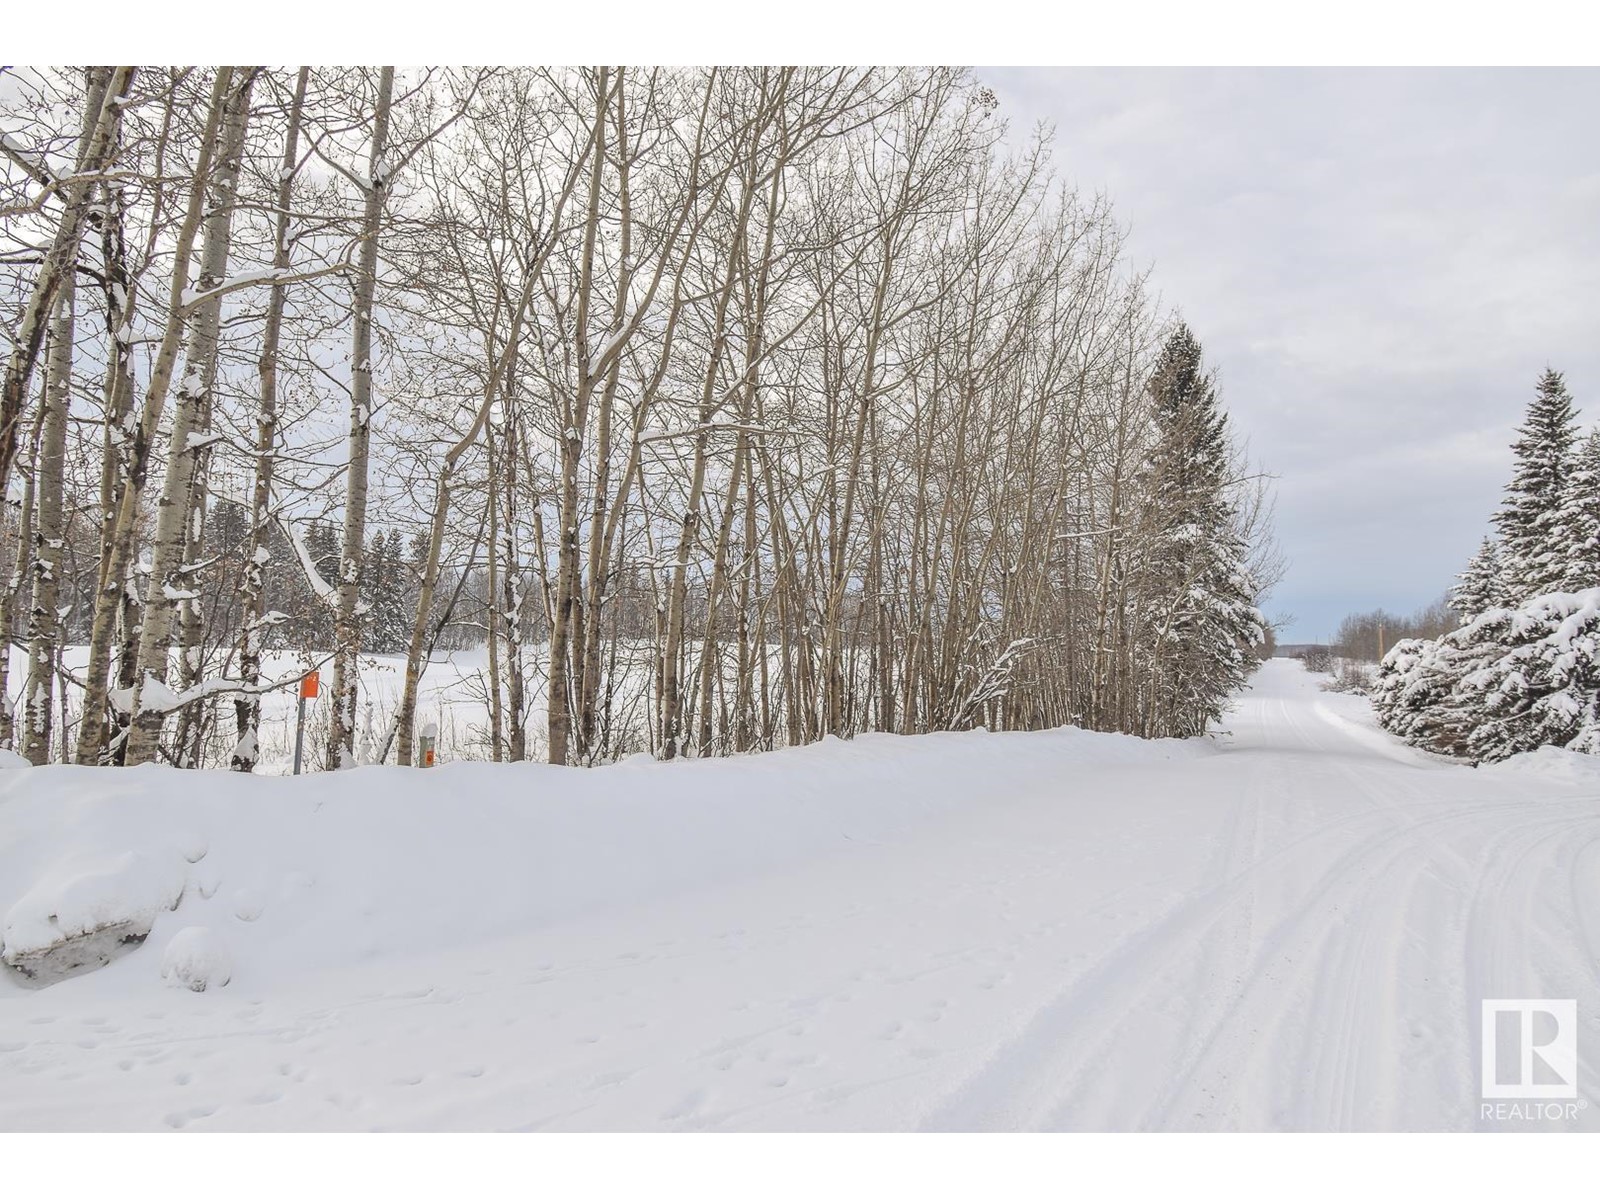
x,y
251,878
1553,763
196,959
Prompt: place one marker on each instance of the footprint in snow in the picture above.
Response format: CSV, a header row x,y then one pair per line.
x,y
179,1119
690,1104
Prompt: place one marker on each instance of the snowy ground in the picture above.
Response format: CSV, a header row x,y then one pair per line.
x,y
1289,929
453,696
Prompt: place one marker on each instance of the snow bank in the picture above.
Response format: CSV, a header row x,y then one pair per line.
x,y
340,867
73,898
1553,763
196,959
84,894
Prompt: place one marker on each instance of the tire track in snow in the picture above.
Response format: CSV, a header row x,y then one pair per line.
x,y
1067,1066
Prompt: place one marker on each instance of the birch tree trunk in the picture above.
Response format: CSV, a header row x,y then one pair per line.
x,y
347,623
252,625
558,699
510,599
116,595
12,590
103,113
492,603
405,715
120,434
44,622
171,576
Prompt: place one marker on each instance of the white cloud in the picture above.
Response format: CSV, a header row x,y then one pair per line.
x,y
1380,262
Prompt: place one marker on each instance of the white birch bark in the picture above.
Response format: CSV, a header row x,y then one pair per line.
x,y
348,622
172,580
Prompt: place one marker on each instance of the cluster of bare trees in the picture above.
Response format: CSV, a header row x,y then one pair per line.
x,y
1367,636
735,407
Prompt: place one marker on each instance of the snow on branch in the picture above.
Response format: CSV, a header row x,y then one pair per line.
x,y
709,427
156,697
995,679
324,590
192,297
33,164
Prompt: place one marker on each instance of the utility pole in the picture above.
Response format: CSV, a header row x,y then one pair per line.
x,y
1380,641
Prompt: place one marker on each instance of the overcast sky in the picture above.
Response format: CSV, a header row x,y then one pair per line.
x,y
1379,264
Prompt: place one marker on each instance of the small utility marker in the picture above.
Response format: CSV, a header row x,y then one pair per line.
x,y
308,691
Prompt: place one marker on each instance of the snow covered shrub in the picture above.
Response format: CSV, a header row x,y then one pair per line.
x,y
1318,659
196,959
1351,677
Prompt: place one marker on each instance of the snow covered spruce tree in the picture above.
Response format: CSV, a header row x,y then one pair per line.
x,y
1541,684
1578,524
1196,592
1481,585
1533,558
1523,670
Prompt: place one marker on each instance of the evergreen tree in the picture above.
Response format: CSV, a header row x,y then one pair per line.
x,y
383,592
1540,685
322,546
1523,669
1415,695
1481,586
1530,518
1580,518
1197,592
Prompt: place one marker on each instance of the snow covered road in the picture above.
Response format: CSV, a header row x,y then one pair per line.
x,y
1292,928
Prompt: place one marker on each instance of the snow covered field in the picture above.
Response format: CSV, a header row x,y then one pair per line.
x,y
1291,928
452,696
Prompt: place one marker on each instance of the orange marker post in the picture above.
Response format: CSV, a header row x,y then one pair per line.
x,y
310,686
